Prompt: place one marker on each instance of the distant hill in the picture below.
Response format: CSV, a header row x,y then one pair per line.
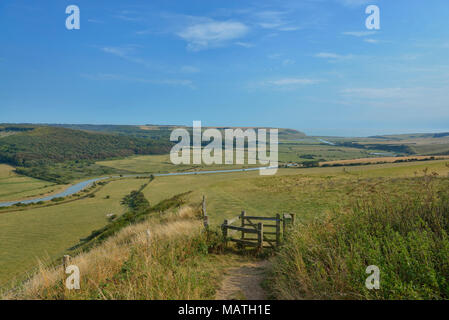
x,y
29,145
162,132
409,136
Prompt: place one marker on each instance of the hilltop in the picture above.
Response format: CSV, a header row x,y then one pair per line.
x,y
162,132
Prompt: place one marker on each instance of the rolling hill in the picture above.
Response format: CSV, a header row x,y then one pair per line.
x,y
40,145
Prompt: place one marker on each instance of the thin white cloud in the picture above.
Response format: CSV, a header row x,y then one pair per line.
x,y
95,21
275,56
244,44
276,20
359,33
118,51
212,34
292,81
333,56
285,61
377,93
127,53
128,16
287,83
374,41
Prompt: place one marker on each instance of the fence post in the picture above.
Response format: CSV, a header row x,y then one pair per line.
x,y
278,229
204,206
148,233
65,261
242,217
293,218
206,222
260,235
225,232
283,225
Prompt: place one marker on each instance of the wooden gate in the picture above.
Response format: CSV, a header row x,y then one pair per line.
x,y
259,232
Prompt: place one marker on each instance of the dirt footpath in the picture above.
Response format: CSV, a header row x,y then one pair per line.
x,y
244,282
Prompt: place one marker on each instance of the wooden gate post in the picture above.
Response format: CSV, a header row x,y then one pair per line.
x,y
225,232
278,229
260,235
242,217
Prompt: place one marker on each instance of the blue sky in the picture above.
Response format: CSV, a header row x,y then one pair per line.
x,y
310,65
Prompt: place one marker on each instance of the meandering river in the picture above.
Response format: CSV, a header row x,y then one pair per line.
x,y
87,183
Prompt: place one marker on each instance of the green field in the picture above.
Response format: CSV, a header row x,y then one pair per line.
x,y
17,187
162,164
47,232
307,192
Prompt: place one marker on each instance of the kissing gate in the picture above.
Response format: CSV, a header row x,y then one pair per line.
x,y
265,234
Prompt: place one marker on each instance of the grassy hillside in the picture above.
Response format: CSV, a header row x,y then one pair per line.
x,y
404,234
63,155
48,145
175,262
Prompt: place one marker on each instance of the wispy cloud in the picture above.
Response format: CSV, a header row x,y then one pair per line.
x,y
377,93
244,44
287,83
95,21
280,57
292,82
358,33
333,56
118,51
129,16
212,34
276,20
127,53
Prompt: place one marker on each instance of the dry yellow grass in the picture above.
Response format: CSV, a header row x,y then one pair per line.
x,y
100,264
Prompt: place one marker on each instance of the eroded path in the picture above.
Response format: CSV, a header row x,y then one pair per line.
x,y
244,282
